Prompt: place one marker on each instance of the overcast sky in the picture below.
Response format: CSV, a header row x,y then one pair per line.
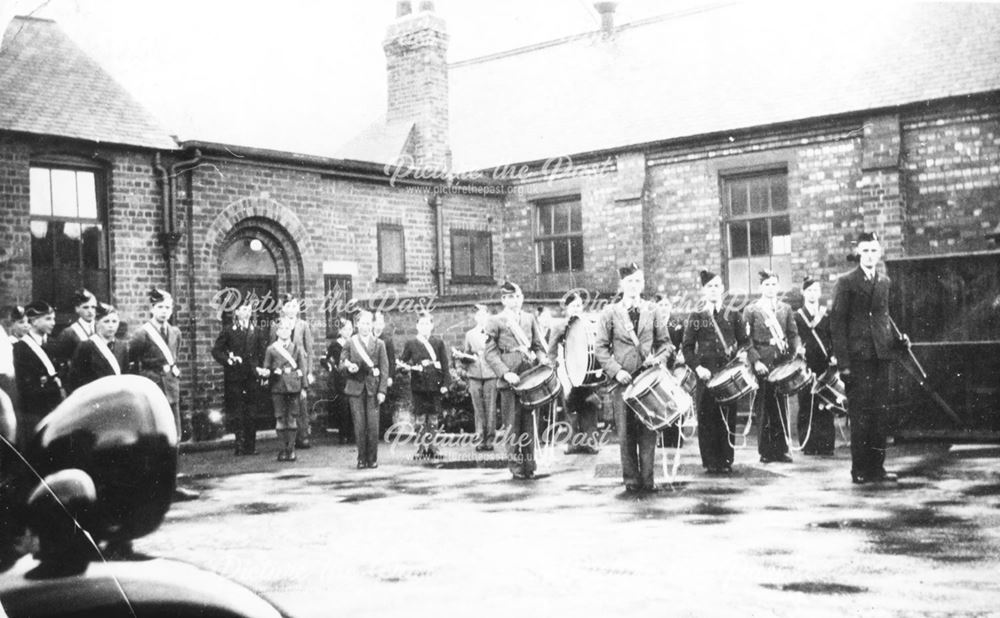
x,y
300,75
213,69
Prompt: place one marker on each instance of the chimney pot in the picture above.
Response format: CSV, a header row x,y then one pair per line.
x,y
427,5
403,8
607,13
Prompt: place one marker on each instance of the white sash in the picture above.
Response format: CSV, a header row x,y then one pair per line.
x,y
718,331
356,340
281,349
522,338
102,347
160,343
430,351
81,333
40,353
771,321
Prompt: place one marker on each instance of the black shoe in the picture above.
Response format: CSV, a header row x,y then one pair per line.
x,y
859,479
488,448
651,489
291,456
765,460
373,464
480,448
361,465
520,476
786,458
182,494
727,469
632,488
303,444
282,455
886,477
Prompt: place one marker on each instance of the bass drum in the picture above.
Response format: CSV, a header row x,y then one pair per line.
x,y
579,354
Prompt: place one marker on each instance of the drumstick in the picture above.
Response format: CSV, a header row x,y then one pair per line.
x,y
921,379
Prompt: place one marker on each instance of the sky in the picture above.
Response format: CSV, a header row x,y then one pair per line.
x,y
214,69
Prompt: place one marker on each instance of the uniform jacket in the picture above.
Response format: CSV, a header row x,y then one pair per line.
x,y
40,391
390,351
761,346
63,347
247,343
817,360
557,337
429,379
89,364
364,381
475,344
503,351
302,338
284,377
615,347
859,321
701,345
146,359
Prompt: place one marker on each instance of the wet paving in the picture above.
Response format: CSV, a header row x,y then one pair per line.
x,y
322,538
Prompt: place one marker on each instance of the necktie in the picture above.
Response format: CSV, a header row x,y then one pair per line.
x,y
163,333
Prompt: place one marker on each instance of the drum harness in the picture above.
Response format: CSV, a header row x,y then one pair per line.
x,y
728,350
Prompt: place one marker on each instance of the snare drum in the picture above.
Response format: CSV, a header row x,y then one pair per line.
x,y
732,383
537,386
791,377
657,399
686,377
579,355
831,391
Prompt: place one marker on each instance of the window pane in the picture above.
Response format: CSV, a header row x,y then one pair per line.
x,y
738,241
64,193
576,253
739,276
781,236
560,224
575,217
86,194
738,197
545,257
758,237
41,193
67,244
460,254
482,257
391,251
560,256
41,244
544,219
94,255
759,199
779,193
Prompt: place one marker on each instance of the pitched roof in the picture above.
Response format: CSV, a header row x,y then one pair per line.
x,y
49,86
716,68
381,142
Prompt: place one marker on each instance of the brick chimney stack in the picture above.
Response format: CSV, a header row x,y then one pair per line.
x,y
607,12
416,47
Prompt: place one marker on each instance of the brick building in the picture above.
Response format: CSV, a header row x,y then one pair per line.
x,y
684,141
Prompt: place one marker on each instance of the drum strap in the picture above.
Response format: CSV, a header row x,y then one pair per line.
x,y
746,430
522,339
812,329
718,333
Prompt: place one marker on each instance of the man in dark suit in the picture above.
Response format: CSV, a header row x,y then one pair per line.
x,y
514,344
427,360
38,383
632,335
864,344
239,348
774,339
101,354
153,354
712,337
366,369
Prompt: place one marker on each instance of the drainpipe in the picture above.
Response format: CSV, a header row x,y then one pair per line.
x,y
167,236
434,201
175,170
